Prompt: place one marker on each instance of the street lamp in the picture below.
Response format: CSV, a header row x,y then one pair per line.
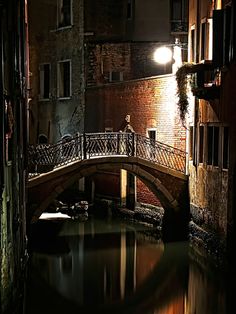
x,y
162,55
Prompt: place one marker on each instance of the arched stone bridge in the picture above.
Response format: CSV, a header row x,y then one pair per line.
x,y
159,166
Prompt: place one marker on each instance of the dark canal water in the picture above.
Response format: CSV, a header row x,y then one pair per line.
x,y
108,266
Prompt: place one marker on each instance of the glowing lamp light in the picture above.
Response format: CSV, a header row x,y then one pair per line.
x,y
162,55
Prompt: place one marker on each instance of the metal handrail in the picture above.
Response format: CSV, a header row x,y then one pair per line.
x,y
92,145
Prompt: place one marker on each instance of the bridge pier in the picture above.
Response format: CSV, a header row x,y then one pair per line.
x,y
128,192
175,223
131,191
174,226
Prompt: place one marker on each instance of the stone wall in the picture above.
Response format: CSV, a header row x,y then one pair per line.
x,y
212,185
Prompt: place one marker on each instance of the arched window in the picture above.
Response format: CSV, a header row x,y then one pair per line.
x,y
42,139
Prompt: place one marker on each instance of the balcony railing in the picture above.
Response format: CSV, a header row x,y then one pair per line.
x,y
178,26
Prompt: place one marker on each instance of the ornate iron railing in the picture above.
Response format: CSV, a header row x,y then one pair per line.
x,y
178,26
92,145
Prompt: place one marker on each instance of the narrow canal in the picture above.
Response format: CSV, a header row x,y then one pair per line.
x,y
112,266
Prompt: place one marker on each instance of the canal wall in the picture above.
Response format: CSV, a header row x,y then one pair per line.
x,y
212,170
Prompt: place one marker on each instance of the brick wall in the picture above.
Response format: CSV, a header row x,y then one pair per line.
x,y
151,103
134,60
107,184
145,196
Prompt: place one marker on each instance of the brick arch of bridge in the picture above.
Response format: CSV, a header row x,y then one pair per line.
x,y
168,185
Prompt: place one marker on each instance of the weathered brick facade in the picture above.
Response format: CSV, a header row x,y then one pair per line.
x,y
151,104
132,60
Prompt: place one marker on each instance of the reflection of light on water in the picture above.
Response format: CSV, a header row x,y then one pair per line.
x,y
111,257
122,262
54,216
106,264
124,271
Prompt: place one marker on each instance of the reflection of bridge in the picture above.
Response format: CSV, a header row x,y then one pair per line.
x,y
166,283
159,166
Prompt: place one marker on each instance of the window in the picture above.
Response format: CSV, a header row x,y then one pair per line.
x,y
225,155
152,134
192,46
203,41
115,76
176,11
210,38
227,34
216,146
44,76
64,13
201,144
218,37
64,79
213,145
129,9
179,9
191,142
209,144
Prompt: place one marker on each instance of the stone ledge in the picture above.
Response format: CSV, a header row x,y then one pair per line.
x,y
207,242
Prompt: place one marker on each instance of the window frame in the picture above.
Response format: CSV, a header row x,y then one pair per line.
x,y
183,8
191,142
129,10
42,81
152,130
120,79
60,20
223,151
201,143
203,39
192,52
58,80
212,161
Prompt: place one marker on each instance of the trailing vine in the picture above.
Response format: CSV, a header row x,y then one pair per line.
x,y
182,87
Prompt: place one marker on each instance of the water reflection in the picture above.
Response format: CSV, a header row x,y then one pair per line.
x,y
109,267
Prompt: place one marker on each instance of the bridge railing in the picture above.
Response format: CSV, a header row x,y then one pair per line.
x,y
160,153
92,145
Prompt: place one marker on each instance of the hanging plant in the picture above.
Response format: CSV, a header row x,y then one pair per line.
x,y
182,88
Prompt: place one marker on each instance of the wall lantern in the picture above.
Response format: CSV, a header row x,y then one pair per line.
x,y
162,55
